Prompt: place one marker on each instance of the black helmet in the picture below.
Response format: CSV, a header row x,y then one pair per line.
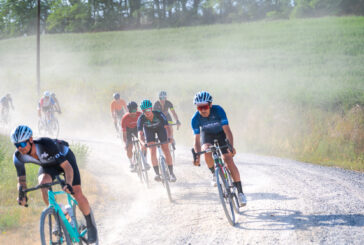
x,y
132,106
116,96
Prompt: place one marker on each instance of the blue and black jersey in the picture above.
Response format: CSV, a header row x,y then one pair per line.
x,y
51,153
211,124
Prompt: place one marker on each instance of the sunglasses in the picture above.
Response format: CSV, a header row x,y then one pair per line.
x,y
147,110
133,111
203,107
21,144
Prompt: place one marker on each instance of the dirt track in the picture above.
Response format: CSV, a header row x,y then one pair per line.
x,y
288,203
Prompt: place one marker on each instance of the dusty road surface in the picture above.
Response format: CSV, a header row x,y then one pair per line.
x,y
288,203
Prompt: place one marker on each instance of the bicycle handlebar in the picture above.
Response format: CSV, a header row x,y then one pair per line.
x,y
211,149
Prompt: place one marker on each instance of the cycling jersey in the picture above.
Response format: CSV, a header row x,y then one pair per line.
x,y
117,107
211,124
129,121
46,103
51,153
167,106
156,126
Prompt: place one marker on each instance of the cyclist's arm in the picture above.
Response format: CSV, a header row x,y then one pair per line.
x,y
229,136
68,172
174,114
197,147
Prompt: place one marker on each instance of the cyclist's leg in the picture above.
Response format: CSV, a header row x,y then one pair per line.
x,y
44,178
150,138
206,141
162,136
129,143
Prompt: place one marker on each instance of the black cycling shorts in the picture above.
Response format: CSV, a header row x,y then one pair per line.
x,y
150,134
209,138
57,170
129,132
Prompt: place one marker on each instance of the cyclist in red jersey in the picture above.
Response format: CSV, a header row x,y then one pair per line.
x,y
129,127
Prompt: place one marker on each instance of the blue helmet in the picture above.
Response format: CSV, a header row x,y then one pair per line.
x,y
202,98
146,104
20,134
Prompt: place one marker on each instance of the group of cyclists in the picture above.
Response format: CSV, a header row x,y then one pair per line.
x,y
54,156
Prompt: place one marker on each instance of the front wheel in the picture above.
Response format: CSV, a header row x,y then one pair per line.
x,y
225,196
144,169
52,229
165,177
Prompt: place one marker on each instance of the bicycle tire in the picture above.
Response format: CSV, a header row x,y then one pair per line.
x,y
138,166
55,127
172,153
165,177
62,232
225,197
234,193
144,170
41,127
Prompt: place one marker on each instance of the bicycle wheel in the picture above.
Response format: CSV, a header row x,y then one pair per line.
x,y
225,196
144,170
138,166
52,229
233,192
80,224
165,177
171,149
54,128
41,127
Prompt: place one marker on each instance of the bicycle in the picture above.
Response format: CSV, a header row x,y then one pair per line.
x,y
172,146
48,124
228,193
163,168
139,161
68,232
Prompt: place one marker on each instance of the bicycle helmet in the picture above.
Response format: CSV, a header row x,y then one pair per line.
x,y
47,94
146,104
20,134
132,106
162,95
116,96
202,97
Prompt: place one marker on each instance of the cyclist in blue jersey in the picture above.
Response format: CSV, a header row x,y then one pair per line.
x,y
150,124
210,123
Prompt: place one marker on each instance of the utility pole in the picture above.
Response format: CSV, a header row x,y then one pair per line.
x,y
38,50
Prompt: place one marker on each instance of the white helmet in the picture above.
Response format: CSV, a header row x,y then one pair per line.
x,y
202,98
20,134
47,94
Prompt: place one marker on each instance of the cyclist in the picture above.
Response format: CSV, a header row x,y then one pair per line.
x,y
129,127
54,157
210,123
118,108
163,105
149,124
46,105
57,107
5,102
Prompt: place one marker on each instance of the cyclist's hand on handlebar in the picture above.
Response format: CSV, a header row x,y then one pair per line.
x,y
23,201
68,188
197,162
232,151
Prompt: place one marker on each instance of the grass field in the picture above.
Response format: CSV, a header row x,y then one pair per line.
x,y
291,88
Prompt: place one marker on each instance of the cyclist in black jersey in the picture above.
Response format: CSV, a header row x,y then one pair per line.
x,y
163,105
54,157
152,123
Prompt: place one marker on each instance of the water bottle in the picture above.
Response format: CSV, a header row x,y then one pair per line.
x,y
66,210
72,215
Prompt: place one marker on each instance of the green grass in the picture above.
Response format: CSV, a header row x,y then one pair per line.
x,y
285,84
12,215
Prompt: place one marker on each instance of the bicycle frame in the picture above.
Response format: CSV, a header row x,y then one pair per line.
x,y
73,231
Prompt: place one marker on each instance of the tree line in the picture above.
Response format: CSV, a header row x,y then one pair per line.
x,y
18,17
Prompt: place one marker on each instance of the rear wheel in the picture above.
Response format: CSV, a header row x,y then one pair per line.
x,y
225,196
52,229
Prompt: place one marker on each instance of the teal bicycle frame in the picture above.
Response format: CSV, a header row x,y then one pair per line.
x,y
72,231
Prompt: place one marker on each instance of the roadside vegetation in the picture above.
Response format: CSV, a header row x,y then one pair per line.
x,y
291,88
